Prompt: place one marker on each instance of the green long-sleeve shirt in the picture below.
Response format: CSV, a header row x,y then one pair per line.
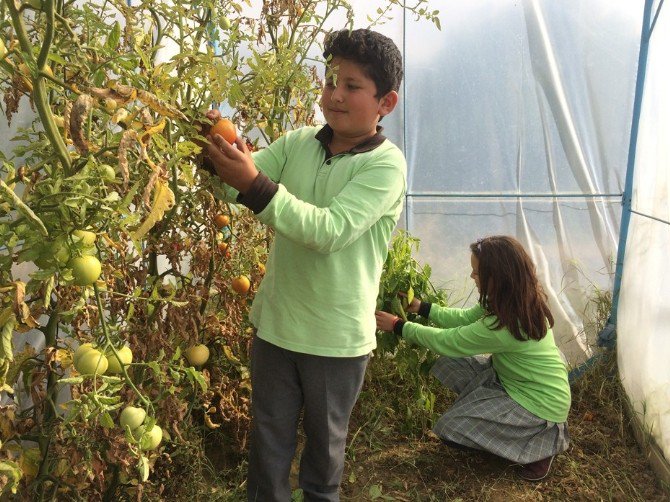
x,y
333,218
532,372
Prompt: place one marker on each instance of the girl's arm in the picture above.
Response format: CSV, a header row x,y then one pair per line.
x,y
447,317
472,339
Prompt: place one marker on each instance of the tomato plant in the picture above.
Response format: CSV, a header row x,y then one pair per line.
x,y
109,248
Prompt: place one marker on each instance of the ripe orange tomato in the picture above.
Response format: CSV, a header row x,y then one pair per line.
x,y
222,246
225,128
222,220
241,285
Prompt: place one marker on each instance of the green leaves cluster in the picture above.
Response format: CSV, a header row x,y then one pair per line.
x,y
403,278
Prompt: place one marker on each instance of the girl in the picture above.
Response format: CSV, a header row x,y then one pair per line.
x,y
514,402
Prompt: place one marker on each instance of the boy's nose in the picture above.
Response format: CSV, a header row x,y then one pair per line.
x,y
336,95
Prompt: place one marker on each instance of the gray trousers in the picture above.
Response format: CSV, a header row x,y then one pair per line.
x,y
284,383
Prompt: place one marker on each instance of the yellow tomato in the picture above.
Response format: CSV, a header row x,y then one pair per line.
x,y
226,129
197,355
222,220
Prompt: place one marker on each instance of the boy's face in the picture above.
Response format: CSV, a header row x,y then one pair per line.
x,y
348,100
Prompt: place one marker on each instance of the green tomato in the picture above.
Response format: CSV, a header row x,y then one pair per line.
x,y
85,269
125,357
107,173
149,440
92,362
81,350
225,23
132,417
86,237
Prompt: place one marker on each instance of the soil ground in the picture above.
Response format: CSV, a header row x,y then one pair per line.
x,y
604,462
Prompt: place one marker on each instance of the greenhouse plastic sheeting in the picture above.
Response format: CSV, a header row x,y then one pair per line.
x,y
510,128
643,325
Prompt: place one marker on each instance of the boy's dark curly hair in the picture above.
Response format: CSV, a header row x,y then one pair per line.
x,y
377,54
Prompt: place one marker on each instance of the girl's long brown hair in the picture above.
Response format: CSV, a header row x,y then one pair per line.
x,y
510,289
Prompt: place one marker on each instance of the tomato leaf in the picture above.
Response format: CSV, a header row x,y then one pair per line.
x,y
143,467
106,421
6,335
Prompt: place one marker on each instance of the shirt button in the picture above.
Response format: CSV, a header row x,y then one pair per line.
x,y
328,162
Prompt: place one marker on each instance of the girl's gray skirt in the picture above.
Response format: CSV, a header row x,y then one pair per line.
x,y
486,418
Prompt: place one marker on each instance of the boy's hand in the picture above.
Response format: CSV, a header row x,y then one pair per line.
x,y
385,320
233,165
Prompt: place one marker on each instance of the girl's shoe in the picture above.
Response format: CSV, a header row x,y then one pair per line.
x,y
535,471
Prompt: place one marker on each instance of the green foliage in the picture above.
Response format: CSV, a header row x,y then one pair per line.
x,y
399,364
403,278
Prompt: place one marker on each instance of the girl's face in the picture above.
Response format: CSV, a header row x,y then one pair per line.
x,y
474,262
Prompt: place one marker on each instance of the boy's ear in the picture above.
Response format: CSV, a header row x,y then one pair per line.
x,y
387,103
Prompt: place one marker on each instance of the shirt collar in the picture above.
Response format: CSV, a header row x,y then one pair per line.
x,y
325,134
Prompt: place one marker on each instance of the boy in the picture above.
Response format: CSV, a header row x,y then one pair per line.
x,y
333,195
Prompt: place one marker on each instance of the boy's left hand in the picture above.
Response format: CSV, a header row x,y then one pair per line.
x,y
234,166
385,320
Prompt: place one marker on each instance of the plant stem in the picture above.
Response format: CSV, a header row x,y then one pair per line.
x,y
129,381
50,341
39,88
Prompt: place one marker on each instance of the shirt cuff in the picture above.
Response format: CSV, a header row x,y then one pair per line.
x,y
424,309
397,327
260,193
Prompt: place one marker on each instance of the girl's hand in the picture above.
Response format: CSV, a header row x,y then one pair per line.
x,y
385,320
413,307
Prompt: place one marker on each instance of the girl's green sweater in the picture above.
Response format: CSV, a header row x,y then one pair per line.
x,y
532,372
